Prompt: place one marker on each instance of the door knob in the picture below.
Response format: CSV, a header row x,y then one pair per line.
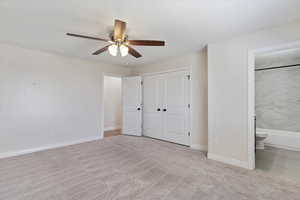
x,y
164,110
138,108
158,109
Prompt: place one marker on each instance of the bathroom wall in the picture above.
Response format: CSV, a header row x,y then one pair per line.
x,y
278,92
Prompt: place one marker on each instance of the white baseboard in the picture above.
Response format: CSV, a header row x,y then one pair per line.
x,y
112,128
282,139
32,150
199,147
230,161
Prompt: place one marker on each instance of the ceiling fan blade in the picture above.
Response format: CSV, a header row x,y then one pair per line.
x,y
87,37
146,42
119,31
101,50
133,52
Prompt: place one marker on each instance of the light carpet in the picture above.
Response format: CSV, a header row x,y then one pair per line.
x,y
124,167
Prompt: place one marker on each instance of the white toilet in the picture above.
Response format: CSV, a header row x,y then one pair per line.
x,y
260,138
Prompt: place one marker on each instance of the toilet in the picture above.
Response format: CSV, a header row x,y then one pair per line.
x,y
260,138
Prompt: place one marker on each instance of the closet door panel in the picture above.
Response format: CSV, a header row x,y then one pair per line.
x,y
176,113
152,115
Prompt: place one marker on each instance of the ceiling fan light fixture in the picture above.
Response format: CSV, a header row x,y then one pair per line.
x,y
119,42
124,50
113,50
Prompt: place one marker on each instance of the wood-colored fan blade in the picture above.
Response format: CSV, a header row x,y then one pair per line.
x,y
86,37
119,31
133,52
101,50
146,42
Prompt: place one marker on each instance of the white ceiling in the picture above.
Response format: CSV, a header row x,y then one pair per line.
x,y
185,25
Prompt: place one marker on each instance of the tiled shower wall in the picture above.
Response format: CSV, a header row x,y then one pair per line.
x,y
278,99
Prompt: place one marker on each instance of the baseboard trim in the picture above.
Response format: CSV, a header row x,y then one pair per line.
x,y
54,146
112,128
229,161
199,147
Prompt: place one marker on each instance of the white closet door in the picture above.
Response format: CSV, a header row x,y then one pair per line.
x,y
176,110
152,106
132,111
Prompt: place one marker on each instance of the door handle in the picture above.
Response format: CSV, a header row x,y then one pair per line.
x,y
138,108
158,109
164,110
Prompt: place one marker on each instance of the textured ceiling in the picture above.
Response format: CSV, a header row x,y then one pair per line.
x,y
186,26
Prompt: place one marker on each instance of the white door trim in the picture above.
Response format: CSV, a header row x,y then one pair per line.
x,y
189,69
251,94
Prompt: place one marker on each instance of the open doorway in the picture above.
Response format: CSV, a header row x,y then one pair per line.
x,y
275,111
112,105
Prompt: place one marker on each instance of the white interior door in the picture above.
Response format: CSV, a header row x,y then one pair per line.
x,y
166,113
132,105
152,106
176,107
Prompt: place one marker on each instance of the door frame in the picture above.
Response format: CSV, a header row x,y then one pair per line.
x,y
189,69
251,93
102,98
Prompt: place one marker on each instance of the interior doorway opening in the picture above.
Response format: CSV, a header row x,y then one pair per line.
x,y
112,106
274,110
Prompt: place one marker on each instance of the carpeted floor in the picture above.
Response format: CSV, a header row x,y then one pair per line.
x,y
124,167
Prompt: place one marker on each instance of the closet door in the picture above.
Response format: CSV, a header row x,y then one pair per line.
x,y
176,107
152,106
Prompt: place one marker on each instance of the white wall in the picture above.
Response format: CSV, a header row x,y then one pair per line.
x,y
112,102
228,90
198,63
48,100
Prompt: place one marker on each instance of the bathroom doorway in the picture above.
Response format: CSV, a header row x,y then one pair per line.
x,y
276,92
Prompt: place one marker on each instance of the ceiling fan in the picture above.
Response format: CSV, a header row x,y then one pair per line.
x,y
119,41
